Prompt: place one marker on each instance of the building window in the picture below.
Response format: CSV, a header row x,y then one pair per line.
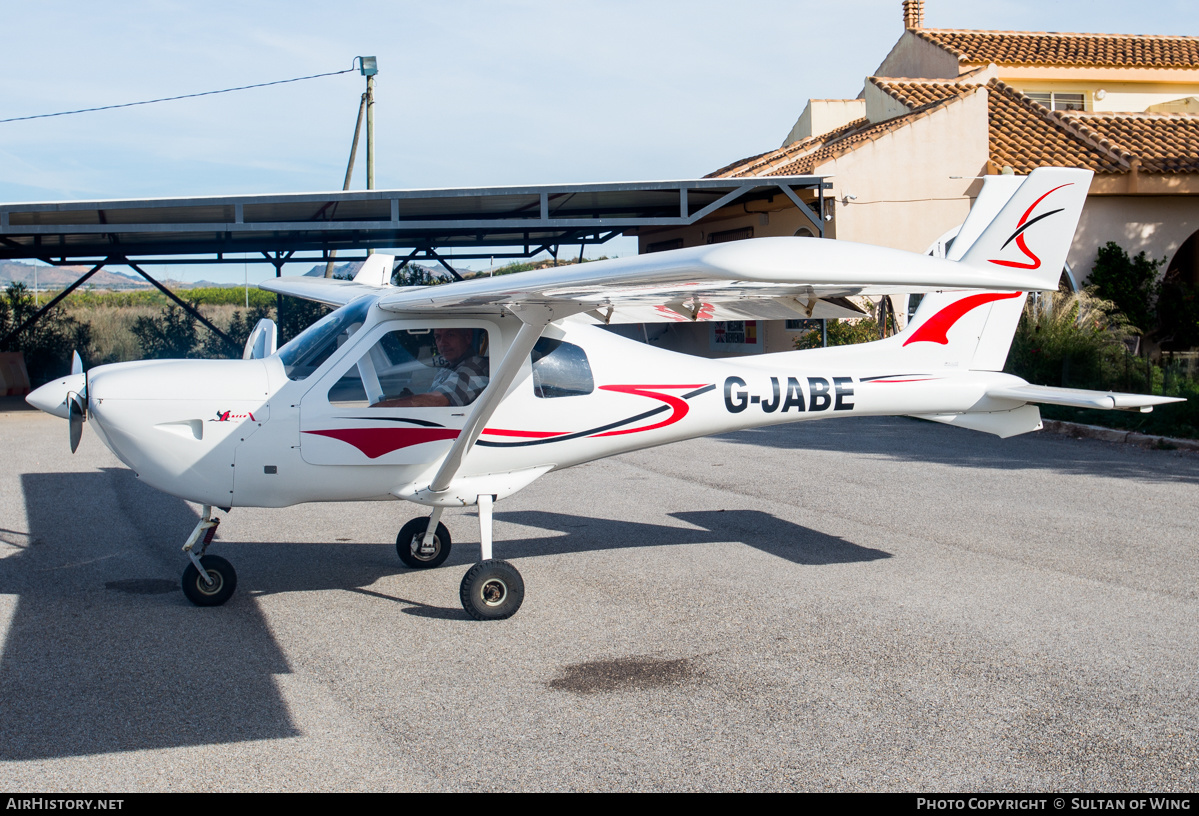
x,y
665,246
731,235
1055,100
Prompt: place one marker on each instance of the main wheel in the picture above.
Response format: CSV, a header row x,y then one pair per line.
x,y
492,590
411,538
201,593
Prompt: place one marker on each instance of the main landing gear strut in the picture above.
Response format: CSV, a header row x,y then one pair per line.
x,y
491,590
209,580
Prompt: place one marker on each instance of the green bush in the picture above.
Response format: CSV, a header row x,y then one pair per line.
x,y
176,334
1080,341
1071,340
841,333
48,343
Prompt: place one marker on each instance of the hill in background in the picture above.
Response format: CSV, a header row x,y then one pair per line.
x,y
60,277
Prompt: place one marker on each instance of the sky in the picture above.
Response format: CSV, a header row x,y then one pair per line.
x,y
469,93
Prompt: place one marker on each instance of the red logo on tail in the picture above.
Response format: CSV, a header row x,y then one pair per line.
x,y
936,328
1018,235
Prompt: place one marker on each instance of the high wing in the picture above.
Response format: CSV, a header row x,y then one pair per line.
x,y
760,278
763,278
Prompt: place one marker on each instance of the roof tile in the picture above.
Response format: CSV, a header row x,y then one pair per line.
x,y
1022,134
1053,48
1163,142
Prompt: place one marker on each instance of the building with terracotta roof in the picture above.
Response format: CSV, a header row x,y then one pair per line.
x,y
948,106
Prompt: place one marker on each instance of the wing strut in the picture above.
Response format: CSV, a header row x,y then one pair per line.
x,y
535,319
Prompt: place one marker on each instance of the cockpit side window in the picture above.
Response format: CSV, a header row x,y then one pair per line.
x,y
418,367
560,369
304,354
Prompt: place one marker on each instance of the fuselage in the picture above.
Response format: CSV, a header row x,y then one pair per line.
x,y
301,425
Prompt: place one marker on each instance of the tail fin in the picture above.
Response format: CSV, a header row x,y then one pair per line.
x,y
1033,230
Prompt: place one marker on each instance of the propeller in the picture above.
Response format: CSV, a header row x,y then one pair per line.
x,y
77,403
77,415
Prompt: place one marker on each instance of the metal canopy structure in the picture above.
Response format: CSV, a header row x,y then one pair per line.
x,y
308,226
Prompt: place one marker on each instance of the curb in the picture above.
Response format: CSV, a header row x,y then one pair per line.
x,y
1080,431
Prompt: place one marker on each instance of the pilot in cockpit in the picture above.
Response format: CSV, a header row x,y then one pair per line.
x,y
463,375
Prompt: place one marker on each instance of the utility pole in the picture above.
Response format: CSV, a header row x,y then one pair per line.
x,y
369,66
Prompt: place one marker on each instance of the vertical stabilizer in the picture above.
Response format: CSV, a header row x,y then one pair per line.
x,y
1016,223
1035,229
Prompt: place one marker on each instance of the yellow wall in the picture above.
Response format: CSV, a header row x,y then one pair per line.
x,y
1122,97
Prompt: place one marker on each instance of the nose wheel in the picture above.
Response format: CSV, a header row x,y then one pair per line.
x,y
209,580
419,551
218,588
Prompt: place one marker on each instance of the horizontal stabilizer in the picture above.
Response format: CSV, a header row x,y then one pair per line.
x,y
1003,424
1078,398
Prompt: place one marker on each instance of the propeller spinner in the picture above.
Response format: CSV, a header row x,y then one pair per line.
x,y
65,397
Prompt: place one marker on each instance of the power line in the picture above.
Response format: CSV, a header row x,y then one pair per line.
x,y
173,98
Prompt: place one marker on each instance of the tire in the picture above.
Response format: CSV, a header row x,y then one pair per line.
x,y
224,582
492,590
409,540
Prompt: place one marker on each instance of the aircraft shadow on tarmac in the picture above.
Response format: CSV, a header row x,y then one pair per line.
x,y
104,654
917,440
88,670
762,531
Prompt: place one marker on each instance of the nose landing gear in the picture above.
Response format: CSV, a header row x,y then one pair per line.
x,y
421,551
209,580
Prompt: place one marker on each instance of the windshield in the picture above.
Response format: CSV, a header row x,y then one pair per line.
x,y
304,354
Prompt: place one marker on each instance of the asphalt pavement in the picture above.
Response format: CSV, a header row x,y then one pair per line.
x,y
855,604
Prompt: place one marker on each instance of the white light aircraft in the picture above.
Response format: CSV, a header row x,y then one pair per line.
x,y
462,394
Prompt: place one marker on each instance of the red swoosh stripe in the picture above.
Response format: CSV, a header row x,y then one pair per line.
x,y
936,328
679,405
375,442
531,434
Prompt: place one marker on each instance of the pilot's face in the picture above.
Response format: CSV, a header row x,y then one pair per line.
x,y
453,344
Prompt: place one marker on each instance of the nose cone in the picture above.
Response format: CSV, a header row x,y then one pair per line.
x,y
52,397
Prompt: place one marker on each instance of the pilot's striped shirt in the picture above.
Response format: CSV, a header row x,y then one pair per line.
x,y
462,383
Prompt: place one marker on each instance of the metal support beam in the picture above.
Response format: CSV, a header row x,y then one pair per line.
x,y
187,307
36,316
433,254
820,220
724,200
816,220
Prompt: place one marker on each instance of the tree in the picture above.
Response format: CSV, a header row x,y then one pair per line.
x,y
1130,283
